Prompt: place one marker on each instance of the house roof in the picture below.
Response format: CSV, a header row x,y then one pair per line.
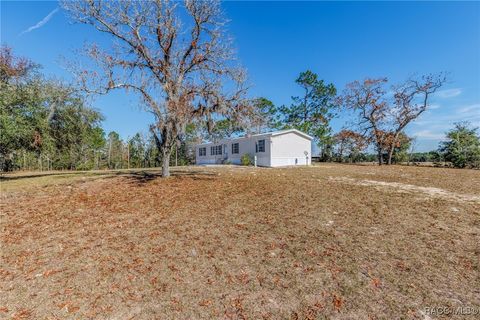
x,y
272,133
280,132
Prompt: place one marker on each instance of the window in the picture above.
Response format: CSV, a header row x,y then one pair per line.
x,y
260,146
216,150
235,148
202,152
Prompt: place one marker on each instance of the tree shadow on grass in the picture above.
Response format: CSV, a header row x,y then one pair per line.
x,y
142,177
52,174
137,176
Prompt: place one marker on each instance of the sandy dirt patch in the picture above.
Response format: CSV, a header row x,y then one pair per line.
x,y
429,192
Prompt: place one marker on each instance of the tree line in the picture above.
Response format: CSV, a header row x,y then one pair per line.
x,y
48,125
178,59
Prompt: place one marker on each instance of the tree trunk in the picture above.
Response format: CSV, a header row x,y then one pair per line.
x,y
166,162
380,156
109,152
128,155
340,153
390,154
392,147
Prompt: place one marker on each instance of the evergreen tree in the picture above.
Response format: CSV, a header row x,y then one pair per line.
x,y
312,111
265,116
137,151
462,147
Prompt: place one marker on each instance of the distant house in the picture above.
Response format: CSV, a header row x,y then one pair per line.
x,y
273,149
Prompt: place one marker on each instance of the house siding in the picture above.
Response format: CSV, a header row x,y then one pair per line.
x,y
290,146
289,149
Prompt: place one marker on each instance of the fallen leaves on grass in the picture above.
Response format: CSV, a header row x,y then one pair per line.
x,y
238,245
337,302
376,282
205,302
22,314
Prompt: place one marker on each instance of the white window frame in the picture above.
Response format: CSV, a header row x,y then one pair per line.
x,y
202,151
257,146
235,148
216,150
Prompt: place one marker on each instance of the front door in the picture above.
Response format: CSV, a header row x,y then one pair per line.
x,y
225,152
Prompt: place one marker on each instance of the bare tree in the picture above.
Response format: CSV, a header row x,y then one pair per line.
x,y
382,119
175,56
367,98
410,101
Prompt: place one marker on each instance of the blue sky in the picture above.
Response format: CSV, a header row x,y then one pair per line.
x,y
340,41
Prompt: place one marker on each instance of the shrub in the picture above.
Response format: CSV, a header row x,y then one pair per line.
x,y
246,160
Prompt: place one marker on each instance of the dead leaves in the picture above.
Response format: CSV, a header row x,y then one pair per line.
x,y
5,275
22,314
236,309
337,302
176,304
130,245
205,302
311,311
173,268
50,272
243,277
68,306
376,283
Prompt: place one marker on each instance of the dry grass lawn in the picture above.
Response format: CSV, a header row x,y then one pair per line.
x,y
323,242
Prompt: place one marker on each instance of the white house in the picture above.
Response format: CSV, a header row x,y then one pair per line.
x,y
273,149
